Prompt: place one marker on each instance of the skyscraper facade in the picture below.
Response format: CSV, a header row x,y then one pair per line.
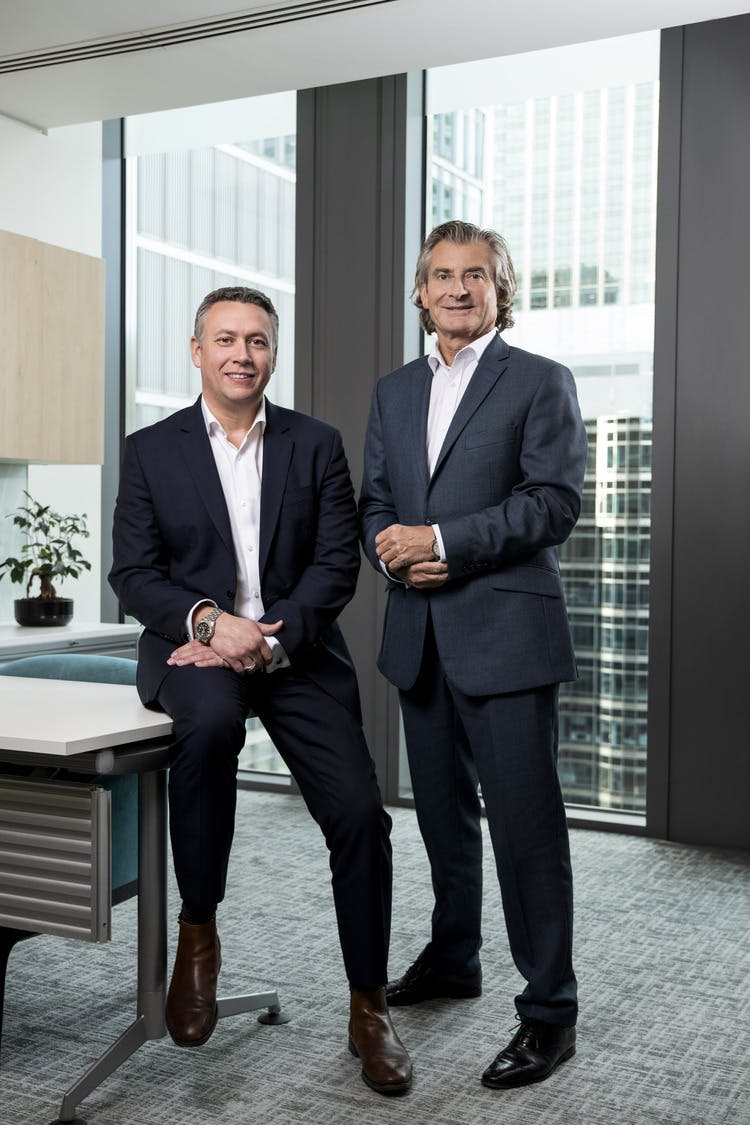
x,y
569,178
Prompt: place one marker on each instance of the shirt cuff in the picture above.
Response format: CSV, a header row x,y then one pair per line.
x,y
441,545
392,577
279,658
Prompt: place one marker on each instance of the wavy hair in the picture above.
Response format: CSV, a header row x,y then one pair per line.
x,y
460,232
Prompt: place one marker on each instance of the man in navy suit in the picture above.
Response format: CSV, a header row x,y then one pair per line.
x,y
474,463
235,545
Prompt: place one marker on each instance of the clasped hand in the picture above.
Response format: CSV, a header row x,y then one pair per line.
x,y
407,552
237,643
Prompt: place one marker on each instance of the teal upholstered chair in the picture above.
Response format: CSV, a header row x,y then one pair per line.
x,y
124,788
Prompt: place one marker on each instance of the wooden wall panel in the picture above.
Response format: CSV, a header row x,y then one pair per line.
x,y
52,334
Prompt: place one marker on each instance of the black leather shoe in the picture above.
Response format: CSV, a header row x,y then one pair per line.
x,y
421,982
533,1053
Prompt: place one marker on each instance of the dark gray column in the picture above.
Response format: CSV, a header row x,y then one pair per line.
x,y
358,202
662,489
699,752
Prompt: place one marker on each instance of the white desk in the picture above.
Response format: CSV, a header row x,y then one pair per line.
x,y
103,728
67,717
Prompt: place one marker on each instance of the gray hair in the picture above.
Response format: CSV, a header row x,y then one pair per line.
x,y
247,297
459,232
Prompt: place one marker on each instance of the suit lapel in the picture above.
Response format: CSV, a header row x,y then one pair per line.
x,y
278,447
196,451
489,369
421,406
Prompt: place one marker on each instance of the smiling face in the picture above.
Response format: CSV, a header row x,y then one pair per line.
x,y
236,360
460,293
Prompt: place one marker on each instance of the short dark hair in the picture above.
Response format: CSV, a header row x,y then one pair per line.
x,y
246,297
460,232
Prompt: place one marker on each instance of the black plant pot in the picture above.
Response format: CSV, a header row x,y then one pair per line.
x,y
43,611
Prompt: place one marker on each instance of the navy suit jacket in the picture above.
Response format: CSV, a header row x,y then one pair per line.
x,y
173,542
505,491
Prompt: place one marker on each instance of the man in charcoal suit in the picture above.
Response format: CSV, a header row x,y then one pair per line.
x,y
474,463
235,545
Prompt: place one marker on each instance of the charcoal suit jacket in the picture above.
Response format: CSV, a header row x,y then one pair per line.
x,y
506,490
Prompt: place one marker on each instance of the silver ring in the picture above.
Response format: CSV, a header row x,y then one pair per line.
x,y
251,666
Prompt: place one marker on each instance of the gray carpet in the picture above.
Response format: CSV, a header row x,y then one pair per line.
x,y
662,955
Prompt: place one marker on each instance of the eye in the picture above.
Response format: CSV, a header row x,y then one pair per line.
x,y
223,339
258,342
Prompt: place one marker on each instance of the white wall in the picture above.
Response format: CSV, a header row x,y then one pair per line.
x,y
50,189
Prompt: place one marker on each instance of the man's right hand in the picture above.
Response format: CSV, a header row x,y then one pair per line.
x,y
241,642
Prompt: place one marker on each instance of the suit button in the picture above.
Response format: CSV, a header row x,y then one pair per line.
x,y
428,522
230,593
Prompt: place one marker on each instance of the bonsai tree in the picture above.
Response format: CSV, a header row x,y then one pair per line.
x,y
48,553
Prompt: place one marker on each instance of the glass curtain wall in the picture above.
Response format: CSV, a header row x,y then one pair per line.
x,y
557,150
210,202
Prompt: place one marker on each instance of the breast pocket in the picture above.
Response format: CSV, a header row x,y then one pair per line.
x,y
491,435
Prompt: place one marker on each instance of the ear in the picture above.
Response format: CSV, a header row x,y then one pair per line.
x,y
423,296
195,351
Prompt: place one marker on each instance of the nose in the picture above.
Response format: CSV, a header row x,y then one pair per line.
x,y
242,352
457,287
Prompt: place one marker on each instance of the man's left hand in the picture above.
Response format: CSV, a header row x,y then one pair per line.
x,y
399,546
423,576
194,652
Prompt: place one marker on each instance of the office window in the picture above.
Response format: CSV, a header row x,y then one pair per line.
x,y
210,202
570,144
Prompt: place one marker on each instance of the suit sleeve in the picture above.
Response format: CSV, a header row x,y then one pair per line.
x,y
141,574
542,508
377,509
327,582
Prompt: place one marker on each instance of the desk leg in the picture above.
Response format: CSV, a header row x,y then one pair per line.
x,y
8,938
236,1005
152,953
152,901
152,945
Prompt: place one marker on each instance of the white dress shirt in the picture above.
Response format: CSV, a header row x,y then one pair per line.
x,y
447,388
446,391
240,472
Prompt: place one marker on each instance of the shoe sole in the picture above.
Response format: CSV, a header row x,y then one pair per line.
x,y
387,1088
513,1085
194,1042
450,992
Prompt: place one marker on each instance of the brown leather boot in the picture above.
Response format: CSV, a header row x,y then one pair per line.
x,y
191,1002
386,1066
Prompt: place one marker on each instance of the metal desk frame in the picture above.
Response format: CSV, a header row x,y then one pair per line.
x,y
149,759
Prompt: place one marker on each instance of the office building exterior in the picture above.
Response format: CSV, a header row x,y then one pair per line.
x,y
570,181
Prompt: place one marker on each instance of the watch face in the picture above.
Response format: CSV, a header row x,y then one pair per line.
x,y
204,630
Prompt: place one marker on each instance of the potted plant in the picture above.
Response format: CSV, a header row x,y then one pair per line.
x,y
48,555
